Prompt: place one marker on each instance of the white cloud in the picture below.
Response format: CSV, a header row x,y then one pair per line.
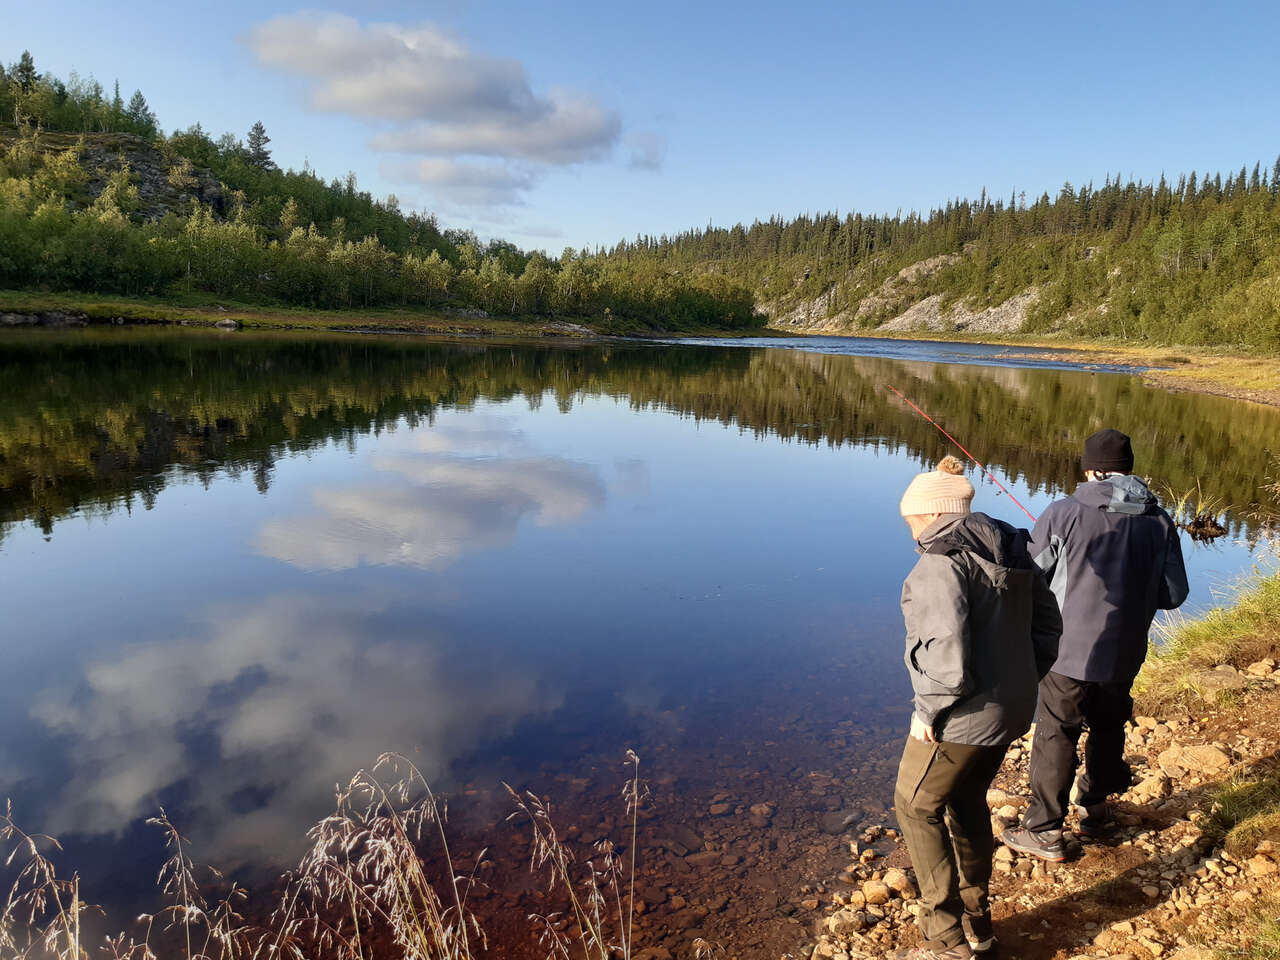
x,y
565,130
479,184
437,98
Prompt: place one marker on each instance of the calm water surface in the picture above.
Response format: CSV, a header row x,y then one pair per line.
x,y
237,568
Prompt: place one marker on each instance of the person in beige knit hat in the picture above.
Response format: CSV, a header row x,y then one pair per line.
x,y
982,629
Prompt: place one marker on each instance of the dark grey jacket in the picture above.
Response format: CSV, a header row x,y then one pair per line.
x,y
982,629
1113,558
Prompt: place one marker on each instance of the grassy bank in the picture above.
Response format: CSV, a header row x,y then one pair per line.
x,y
1225,373
206,311
1192,670
1191,369
1186,668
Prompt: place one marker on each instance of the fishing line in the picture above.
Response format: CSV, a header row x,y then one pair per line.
x,y
980,464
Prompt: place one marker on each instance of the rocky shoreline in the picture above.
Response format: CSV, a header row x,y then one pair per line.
x,y
1160,885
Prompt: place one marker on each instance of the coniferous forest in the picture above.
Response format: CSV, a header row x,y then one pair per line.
x,y
95,198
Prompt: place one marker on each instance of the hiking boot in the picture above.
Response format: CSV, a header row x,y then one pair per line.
x,y
1047,845
982,941
959,952
1096,821
987,949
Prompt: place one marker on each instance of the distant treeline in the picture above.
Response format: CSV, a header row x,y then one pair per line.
x,y
1195,260
118,207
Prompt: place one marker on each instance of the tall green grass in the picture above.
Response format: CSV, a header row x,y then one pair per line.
x,y
1243,628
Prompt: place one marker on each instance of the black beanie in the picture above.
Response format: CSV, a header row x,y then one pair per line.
x,y
1108,451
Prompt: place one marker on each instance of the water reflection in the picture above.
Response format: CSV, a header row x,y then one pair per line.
x,y
91,420
506,562
432,506
250,717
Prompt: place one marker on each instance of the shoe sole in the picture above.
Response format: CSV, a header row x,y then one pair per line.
x,y
1037,852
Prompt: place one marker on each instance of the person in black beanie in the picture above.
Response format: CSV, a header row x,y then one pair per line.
x,y
1112,558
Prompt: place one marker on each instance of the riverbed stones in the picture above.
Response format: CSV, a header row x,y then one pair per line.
x,y
1220,678
898,881
1204,758
760,815
1260,866
838,821
847,921
49,318
680,840
876,891
707,858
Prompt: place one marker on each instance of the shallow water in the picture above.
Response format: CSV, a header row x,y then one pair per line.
x,y
238,567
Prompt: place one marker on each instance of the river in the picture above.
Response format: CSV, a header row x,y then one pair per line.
x,y
237,567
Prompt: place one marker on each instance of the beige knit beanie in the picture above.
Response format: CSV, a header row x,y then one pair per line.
x,y
945,490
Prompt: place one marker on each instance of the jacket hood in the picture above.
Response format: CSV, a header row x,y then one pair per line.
x,y
994,540
1121,494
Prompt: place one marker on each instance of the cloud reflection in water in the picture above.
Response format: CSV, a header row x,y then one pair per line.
x,y
433,505
254,718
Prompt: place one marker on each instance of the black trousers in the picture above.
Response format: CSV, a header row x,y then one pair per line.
x,y
1067,706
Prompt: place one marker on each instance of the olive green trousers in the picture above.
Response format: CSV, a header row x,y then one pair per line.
x,y
941,801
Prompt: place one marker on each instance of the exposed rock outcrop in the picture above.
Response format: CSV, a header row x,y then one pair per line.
x,y
899,304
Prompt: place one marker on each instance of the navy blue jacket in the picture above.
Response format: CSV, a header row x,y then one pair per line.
x,y
1112,558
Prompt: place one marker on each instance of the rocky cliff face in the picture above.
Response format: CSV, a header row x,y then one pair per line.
x,y
165,184
900,305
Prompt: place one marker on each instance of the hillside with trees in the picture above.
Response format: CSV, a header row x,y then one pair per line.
x,y
1194,260
94,198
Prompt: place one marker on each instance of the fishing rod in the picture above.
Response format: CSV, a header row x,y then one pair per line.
x,y
980,464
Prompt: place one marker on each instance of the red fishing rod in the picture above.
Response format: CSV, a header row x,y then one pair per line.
x,y
981,465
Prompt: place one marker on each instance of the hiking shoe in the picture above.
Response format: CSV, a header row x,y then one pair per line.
x,y
1047,845
977,930
959,952
1096,821
988,949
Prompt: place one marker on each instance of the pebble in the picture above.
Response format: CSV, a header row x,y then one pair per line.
x,y
876,892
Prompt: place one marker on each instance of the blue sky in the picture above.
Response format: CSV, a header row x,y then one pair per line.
x,y
557,124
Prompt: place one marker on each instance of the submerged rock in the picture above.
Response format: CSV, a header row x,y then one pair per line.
x,y
838,821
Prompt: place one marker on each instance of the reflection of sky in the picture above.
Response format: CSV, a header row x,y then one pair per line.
x,y
435,591
256,710
452,496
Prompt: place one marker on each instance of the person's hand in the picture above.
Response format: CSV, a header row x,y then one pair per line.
x,y
921,730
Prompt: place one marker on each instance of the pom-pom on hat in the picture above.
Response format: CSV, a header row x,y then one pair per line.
x,y
944,490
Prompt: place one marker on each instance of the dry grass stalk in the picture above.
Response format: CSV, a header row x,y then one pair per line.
x,y
360,892
40,915
362,889
601,894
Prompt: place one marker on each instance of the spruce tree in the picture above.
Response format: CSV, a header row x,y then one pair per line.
x,y
117,110
140,118
24,72
257,153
